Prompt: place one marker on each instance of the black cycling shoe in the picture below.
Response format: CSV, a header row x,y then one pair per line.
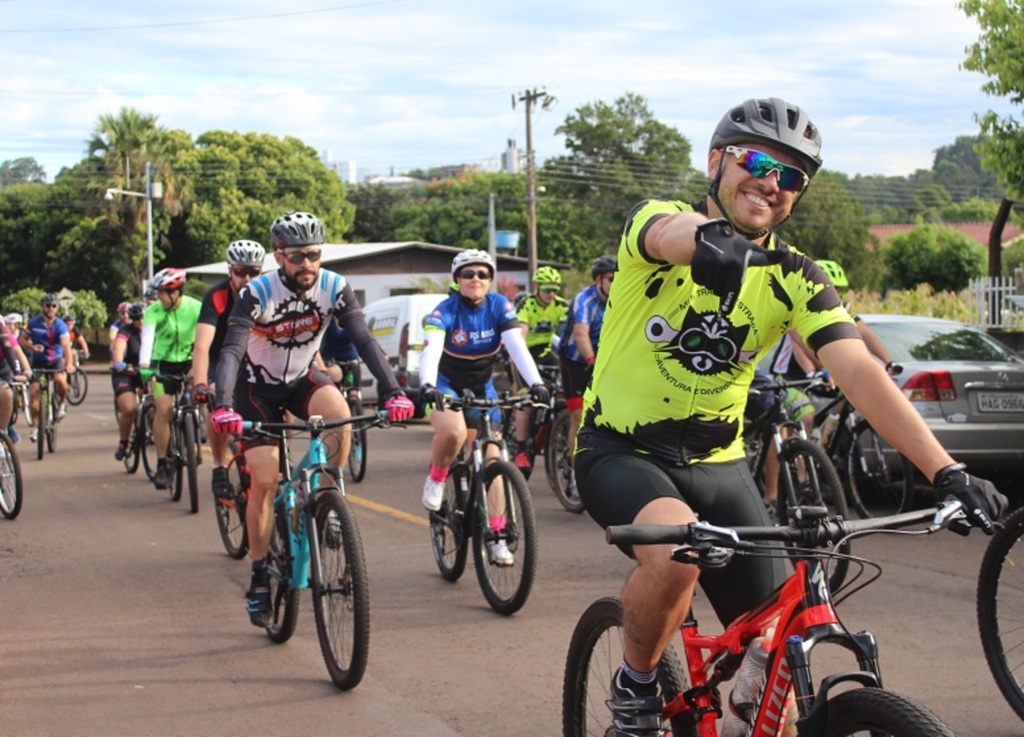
x,y
122,450
221,484
162,477
257,599
636,710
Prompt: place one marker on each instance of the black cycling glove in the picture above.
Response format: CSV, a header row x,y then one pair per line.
x,y
539,394
721,259
982,501
431,395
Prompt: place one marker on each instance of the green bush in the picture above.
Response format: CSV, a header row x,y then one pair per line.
x,y
935,255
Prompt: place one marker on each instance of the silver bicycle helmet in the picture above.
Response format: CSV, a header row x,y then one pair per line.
x,y
775,122
296,229
472,256
246,253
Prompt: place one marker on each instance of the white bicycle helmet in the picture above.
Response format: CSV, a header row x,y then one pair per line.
x,y
472,256
246,253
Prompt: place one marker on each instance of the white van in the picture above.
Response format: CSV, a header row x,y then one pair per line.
x,y
397,324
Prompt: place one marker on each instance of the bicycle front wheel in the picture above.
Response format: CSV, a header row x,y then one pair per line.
x,y
44,402
231,511
595,653
449,534
78,387
189,451
808,478
558,463
341,589
134,452
10,478
881,478
1001,607
505,546
872,711
148,444
284,600
357,453
51,423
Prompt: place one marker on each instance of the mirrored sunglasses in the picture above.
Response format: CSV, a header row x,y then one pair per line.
x,y
549,290
243,271
482,275
295,259
759,164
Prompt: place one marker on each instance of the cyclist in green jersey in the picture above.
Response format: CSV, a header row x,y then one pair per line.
x,y
168,335
685,325
540,316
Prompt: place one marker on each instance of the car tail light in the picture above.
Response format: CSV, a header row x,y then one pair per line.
x,y
930,386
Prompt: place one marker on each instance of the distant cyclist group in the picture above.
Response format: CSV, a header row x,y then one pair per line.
x,y
655,359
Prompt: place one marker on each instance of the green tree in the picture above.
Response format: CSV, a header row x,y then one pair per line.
x,y
932,254
374,205
21,171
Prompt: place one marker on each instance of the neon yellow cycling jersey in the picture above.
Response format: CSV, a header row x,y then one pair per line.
x,y
672,375
543,321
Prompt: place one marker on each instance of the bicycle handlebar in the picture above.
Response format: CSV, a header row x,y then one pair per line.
x,y
505,401
315,424
816,532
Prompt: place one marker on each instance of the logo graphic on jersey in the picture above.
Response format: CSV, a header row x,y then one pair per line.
x,y
294,323
706,343
460,338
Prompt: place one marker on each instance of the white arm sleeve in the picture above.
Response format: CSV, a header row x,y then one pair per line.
x,y
146,348
515,343
430,359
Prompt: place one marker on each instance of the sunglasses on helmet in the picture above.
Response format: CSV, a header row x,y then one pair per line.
x,y
759,164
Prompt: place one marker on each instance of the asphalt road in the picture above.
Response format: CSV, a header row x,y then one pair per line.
x,y
122,615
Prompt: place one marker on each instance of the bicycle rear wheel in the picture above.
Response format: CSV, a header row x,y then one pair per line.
x,y
11,488
881,478
807,477
341,590
506,586
148,444
1001,608
595,653
231,511
78,387
449,534
357,454
872,711
189,452
558,463
283,598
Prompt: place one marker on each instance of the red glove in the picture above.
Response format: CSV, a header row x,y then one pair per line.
x,y
226,420
400,408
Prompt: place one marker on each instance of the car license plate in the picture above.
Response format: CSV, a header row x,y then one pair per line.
x,y
1000,402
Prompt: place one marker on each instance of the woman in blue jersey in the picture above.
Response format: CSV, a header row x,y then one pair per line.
x,y
463,336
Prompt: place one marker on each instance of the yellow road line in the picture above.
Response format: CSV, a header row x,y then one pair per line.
x,y
388,511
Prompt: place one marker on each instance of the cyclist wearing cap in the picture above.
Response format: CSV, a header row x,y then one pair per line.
x,y
702,292
579,340
266,368
245,263
168,334
47,342
124,363
541,314
463,336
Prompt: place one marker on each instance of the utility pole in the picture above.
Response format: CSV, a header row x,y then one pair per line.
x,y
530,98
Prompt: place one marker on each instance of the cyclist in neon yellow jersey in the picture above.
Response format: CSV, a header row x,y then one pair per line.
x,y
168,334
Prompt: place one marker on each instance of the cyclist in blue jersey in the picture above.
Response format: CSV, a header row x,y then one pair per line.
x,y
47,341
463,336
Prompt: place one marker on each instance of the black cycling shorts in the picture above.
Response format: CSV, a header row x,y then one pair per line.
x,y
269,402
615,484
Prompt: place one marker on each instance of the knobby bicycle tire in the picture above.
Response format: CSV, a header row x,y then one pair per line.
x,y
879,483
176,460
189,450
147,412
11,484
357,453
231,511
558,463
44,402
284,600
53,407
341,589
506,588
872,710
133,454
595,653
806,473
78,387
449,531
1000,608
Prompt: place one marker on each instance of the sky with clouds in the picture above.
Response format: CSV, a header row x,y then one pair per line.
x,y
395,85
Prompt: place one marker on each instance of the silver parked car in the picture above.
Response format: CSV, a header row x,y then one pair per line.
x,y
968,386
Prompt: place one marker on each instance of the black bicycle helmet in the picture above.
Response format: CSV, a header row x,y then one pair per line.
x,y
775,122
603,265
135,310
296,229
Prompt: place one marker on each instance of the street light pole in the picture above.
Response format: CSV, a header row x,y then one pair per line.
x,y
153,190
530,97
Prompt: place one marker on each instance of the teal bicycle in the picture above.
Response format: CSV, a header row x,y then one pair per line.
x,y
316,545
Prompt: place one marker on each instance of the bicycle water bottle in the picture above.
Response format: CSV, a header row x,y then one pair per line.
x,y
749,680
